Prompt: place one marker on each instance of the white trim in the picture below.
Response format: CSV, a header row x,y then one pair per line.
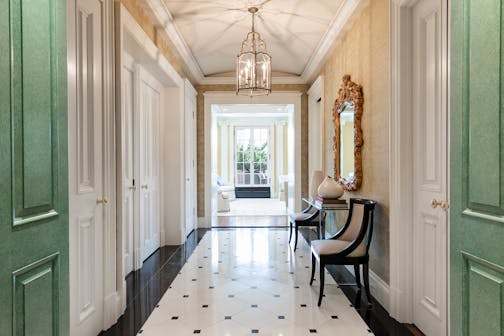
x,y
207,80
315,93
380,290
401,162
111,308
348,12
223,97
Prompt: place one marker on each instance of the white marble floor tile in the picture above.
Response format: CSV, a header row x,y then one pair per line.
x,y
248,282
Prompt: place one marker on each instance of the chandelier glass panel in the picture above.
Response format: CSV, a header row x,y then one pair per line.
x,y
253,65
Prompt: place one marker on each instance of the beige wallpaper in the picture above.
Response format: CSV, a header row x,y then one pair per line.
x,y
363,53
201,136
147,20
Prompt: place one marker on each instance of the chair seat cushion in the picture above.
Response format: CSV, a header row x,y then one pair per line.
x,y
332,246
299,216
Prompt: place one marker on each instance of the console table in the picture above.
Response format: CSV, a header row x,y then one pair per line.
x,y
324,209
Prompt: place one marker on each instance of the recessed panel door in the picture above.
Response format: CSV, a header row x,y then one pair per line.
x,y
34,292
477,168
190,167
86,173
129,185
430,141
149,110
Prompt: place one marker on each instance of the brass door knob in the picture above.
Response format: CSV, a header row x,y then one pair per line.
x,y
133,187
101,201
145,186
442,204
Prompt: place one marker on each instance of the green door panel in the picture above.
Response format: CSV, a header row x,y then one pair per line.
x,y
477,168
33,168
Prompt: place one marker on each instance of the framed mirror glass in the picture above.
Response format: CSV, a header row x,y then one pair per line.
x,y
347,114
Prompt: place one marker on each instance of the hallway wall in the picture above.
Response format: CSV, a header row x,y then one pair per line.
x,y
363,53
201,134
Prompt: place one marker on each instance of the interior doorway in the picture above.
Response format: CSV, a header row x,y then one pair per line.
x,y
252,159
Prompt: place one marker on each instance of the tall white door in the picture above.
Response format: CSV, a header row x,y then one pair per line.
x,y
148,178
190,164
430,166
129,185
85,159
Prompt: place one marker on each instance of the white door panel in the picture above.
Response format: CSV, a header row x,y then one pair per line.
x,y
86,169
430,167
128,157
149,111
190,158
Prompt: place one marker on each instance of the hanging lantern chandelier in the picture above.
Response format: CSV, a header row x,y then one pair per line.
x,y
253,65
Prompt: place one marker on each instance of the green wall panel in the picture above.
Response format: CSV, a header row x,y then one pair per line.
x,y
484,36
33,85
35,303
33,168
476,168
484,296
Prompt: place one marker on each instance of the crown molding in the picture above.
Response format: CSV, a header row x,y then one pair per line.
x,y
348,11
163,16
231,80
341,22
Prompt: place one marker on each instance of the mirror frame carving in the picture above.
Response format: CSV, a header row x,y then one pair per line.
x,y
349,92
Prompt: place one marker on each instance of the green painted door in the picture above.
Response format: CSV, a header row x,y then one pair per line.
x,y
33,168
477,168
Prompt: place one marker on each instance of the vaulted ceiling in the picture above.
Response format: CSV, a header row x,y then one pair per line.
x,y
298,33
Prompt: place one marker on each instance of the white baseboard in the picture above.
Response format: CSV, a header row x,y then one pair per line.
x,y
111,309
380,290
203,223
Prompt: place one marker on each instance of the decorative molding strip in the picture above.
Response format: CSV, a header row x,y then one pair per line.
x,y
346,14
231,80
164,16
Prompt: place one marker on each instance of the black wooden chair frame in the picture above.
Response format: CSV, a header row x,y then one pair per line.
x,y
342,258
309,221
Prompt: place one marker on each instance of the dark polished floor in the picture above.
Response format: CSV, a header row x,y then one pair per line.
x,y
146,286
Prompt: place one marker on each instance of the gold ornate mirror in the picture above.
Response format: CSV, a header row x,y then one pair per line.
x,y
347,114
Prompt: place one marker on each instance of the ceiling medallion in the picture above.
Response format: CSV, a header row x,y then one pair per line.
x,y
253,65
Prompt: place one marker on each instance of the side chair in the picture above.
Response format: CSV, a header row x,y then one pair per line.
x,y
350,246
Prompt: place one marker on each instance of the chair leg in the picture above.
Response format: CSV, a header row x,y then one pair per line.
x,y
296,229
313,261
321,280
290,231
365,269
357,275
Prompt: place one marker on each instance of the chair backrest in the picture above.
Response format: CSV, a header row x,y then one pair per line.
x,y
359,226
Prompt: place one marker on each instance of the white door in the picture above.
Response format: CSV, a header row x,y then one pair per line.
x,y
129,185
86,167
149,110
190,153
430,166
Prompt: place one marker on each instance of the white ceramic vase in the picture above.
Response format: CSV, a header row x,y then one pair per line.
x,y
329,188
316,178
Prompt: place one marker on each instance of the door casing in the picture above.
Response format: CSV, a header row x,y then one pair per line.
x,y
400,299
